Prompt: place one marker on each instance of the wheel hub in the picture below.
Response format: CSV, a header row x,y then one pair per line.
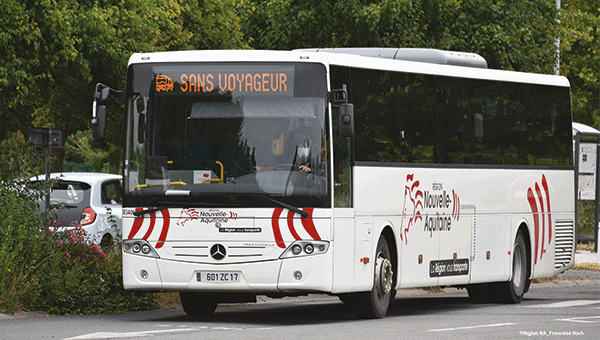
x,y
384,275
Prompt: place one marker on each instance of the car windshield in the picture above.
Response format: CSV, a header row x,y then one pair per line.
x,y
226,134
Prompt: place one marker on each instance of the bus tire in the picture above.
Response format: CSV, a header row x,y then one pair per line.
x,y
512,291
198,304
375,303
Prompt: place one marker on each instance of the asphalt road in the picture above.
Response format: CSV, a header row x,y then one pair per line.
x,y
566,308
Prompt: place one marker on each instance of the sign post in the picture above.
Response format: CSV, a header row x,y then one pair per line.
x,y
46,137
586,144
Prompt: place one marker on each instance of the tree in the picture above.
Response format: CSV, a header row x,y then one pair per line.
x,y
510,35
52,53
580,57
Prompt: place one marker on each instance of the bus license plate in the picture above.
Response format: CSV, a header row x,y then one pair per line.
x,y
218,277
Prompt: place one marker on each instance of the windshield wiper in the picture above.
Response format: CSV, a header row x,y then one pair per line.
x,y
147,211
285,205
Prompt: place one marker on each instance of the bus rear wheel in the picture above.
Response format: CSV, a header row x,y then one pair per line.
x,y
198,304
375,303
513,290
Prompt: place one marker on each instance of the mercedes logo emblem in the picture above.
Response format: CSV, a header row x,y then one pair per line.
x,y
218,251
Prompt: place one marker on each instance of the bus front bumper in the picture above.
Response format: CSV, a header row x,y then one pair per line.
x,y
296,275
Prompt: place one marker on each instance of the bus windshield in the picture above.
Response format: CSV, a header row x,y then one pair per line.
x,y
227,134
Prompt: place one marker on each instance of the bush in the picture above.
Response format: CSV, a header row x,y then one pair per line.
x,y
45,270
585,220
80,278
21,252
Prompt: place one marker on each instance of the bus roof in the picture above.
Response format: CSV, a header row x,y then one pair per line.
x,y
368,60
426,55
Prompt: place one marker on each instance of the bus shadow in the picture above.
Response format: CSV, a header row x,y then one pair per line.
x,y
324,311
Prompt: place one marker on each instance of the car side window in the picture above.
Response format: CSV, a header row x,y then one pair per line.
x,y
111,193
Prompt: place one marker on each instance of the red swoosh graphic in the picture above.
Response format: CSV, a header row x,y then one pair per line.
x,y
137,224
275,225
165,229
151,228
290,223
539,195
309,225
536,222
545,186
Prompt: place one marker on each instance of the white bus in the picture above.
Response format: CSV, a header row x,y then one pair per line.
x,y
347,172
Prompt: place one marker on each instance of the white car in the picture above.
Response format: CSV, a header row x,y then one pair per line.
x,y
92,200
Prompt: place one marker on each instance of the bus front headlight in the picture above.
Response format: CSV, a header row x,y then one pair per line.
x,y
139,247
305,248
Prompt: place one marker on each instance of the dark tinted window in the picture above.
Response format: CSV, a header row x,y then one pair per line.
x,y
454,128
424,119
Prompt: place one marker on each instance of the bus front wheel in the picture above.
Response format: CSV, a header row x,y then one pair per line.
x,y
198,304
375,303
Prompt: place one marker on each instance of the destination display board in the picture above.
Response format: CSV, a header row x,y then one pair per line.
x,y
239,79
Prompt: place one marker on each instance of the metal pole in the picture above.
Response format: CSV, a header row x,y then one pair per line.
x,y
48,165
576,179
596,199
557,41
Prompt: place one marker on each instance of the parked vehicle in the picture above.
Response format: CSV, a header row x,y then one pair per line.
x,y
91,200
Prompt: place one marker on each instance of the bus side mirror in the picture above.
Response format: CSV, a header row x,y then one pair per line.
x,y
102,95
347,120
99,122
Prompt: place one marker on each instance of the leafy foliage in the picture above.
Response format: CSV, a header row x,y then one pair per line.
x,y
42,269
511,35
79,149
80,278
585,221
580,57
21,253
52,53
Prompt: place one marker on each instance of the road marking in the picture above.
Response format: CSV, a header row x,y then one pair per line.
x,y
584,319
121,335
471,327
565,304
140,334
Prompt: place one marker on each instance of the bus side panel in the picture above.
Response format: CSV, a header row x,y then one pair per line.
x,y
390,193
364,254
491,244
458,246
458,226
343,251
